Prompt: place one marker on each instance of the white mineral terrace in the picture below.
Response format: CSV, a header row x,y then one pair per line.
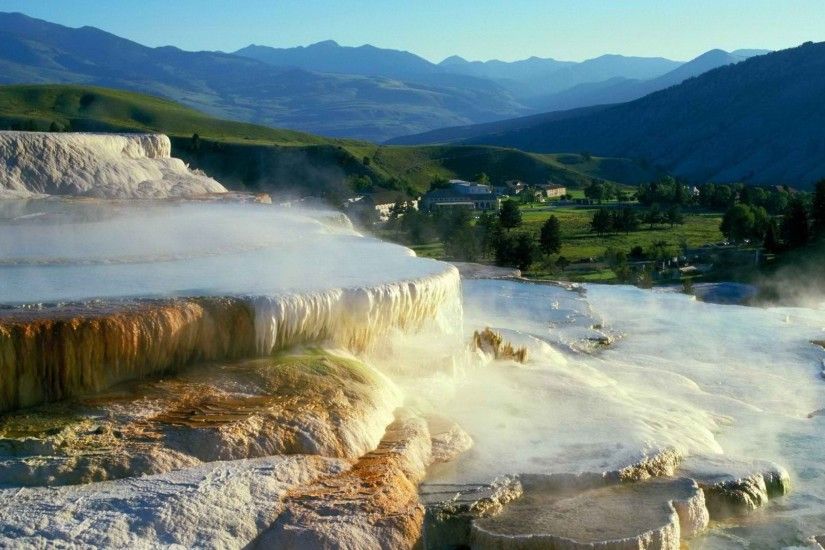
x,y
96,165
635,419
309,274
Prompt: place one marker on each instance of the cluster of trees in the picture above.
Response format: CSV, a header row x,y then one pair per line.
x,y
601,191
669,191
496,236
745,222
619,261
720,197
519,248
664,191
31,125
493,236
802,220
626,220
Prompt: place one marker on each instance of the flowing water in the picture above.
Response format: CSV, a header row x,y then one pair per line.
x,y
702,378
614,373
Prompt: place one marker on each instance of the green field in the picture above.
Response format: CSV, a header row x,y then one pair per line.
x,y
249,156
579,242
585,249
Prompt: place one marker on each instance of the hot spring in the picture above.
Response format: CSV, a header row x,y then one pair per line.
x,y
215,372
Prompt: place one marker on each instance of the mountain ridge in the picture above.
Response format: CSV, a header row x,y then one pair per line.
x,y
240,88
757,121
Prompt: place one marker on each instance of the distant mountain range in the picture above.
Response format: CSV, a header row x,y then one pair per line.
x,y
232,86
534,78
361,92
758,121
539,84
288,163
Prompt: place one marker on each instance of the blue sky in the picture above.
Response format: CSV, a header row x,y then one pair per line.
x,y
475,29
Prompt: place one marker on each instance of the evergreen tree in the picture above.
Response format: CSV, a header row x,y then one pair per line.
x,y
818,210
771,242
674,216
602,221
653,216
625,220
516,250
679,195
795,231
550,236
509,216
489,232
462,244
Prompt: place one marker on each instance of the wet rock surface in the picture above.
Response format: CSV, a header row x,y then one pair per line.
x,y
309,403
735,486
586,512
656,502
374,504
451,509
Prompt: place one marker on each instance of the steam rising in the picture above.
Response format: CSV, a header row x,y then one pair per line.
x,y
609,376
702,379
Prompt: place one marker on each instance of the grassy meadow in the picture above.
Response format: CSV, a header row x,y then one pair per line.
x,y
584,248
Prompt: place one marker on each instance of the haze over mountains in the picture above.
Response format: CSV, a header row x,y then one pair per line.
x,y
758,121
362,92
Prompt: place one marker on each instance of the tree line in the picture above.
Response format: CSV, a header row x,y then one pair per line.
x,y
494,236
800,223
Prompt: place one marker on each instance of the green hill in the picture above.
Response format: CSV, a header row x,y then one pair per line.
x,y
248,156
89,108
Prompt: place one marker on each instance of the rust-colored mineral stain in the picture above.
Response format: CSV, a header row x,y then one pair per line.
x,y
213,411
59,352
491,342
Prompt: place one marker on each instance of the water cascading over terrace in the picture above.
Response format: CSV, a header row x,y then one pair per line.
x,y
98,292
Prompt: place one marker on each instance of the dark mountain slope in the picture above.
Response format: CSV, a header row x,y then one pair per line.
x,y
457,134
621,90
330,57
761,121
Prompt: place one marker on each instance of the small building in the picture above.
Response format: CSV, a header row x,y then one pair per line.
x,y
470,187
382,202
451,197
553,190
510,188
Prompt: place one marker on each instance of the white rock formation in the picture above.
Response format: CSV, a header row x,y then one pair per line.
x,y
218,505
583,512
293,501
373,505
734,486
96,165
